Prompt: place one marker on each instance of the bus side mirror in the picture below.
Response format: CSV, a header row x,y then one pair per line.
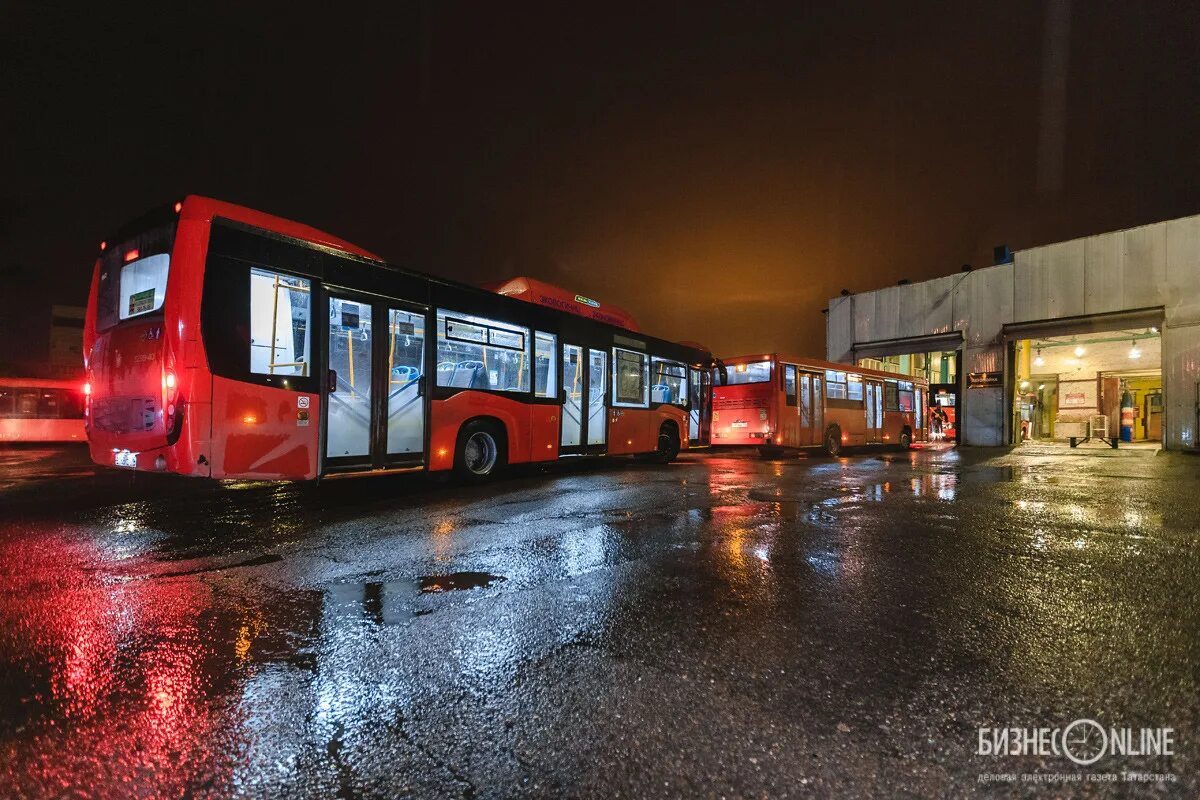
x,y
331,381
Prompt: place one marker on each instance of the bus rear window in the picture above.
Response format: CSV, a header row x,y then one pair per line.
x,y
133,274
143,285
754,372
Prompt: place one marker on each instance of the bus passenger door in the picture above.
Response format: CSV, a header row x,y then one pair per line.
x,y
874,412
405,386
806,420
818,411
695,403
583,410
375,405
791,431
349,389
574,379
597,387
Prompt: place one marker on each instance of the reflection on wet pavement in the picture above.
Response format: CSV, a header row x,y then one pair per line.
x,y
721,625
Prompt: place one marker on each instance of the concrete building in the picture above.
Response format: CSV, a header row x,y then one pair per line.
x,y
1062,334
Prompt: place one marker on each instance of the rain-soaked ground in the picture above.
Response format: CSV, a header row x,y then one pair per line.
x,y
720,626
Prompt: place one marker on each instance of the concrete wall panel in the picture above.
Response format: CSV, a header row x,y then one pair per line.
x,y
887,312
939,306
1029,296
1145,266
1104,283
990,299
914,300
1181,373
1063,279
1182,299
982,409
839,329
864,317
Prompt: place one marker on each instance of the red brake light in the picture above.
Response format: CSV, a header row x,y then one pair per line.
x,y
131,255
178,207
103,245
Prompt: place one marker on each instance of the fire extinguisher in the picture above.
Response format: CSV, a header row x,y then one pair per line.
x,y
1127,415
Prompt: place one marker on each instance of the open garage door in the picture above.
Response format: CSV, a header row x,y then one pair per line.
x,y
937,359
1094,380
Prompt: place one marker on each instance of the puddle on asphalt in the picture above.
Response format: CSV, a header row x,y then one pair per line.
x,y
457,581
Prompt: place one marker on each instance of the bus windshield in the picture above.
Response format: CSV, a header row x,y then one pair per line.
x,y
754,372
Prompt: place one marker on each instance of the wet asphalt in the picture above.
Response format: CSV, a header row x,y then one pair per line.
x,y
722,626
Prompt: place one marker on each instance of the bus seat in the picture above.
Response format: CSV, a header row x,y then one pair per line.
x,y
660,393
466,375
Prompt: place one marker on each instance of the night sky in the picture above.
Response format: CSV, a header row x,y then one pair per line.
x,y
719,170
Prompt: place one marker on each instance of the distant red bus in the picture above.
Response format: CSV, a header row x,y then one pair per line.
x,y
41,410
779,402
228,343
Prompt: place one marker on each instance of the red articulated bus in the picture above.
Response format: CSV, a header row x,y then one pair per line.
x,y
41,410
227,343
779,402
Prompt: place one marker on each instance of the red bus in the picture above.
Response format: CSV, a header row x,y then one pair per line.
x,y
779,402
41,410
228,343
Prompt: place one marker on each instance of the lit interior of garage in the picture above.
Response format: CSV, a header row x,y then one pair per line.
x,y
1104,386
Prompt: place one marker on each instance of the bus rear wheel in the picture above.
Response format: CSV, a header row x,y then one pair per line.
x,y
905,439
480,453
770,452
833,441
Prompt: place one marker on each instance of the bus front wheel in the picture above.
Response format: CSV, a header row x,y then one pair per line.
x,y
833,441
668,445
481,451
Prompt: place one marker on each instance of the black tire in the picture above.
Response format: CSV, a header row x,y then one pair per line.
x,y
833,441
481,452
905,439
770,452
668,445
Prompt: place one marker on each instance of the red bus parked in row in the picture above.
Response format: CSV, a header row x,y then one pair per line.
x,y
228,343
778,402
41,410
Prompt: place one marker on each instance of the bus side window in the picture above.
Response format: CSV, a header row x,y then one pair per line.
x,y
789,384
279,323
630,386
835,385
48,402
891,397
545,368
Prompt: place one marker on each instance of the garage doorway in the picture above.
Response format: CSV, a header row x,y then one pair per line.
x,y
1100,385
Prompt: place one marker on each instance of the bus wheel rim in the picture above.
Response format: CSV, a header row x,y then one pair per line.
x,y
479,453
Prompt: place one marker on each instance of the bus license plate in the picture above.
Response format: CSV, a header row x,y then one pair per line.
x,y
738,424
124,458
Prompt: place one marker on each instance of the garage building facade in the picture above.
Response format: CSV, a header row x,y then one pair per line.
x,y
1136,289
